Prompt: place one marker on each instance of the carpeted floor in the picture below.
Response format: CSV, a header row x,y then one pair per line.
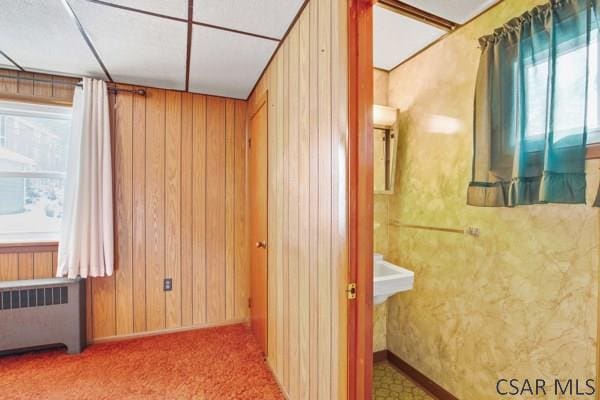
x,y
218,363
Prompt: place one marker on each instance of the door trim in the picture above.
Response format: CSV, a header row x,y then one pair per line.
x,y
360,197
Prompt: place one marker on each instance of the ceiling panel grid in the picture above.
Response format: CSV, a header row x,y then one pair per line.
x,y
41,36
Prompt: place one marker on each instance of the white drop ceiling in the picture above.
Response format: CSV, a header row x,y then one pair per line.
x,y
40,35
254,16
172,8
144,42
5,63
459,11
136,48
397,37
225,63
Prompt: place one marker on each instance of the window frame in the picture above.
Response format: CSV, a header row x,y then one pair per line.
x,y
35,244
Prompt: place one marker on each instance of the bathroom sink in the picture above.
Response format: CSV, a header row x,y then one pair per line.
x,y
389,279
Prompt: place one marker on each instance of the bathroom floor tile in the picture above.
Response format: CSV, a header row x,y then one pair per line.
x,y
389,383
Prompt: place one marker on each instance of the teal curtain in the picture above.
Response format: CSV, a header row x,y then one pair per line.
x,y
536,102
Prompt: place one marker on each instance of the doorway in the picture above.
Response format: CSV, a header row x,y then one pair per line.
x,y
257,180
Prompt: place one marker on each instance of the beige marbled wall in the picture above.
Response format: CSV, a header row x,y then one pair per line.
x,y
381,203
520,300
381,228
380,327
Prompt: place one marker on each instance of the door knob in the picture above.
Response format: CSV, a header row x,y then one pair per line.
x,y
261,245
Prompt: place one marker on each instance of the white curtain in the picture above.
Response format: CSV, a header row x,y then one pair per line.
x,y
86,240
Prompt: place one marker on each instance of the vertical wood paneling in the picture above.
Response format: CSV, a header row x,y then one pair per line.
x,y
304,204
215,205
61,90
173,208
242,271
293,222
180,201
102,291
155,209
122,139
229,209
25,87
8,86
285,216
308,203
56,91
324,216
139,212
187,283
54,262
42,89
279,223
314,199
273,189
9,267
25,265
199,210
42,265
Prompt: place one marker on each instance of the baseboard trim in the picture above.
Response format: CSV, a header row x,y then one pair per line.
x,y
415,375
380,355
119,338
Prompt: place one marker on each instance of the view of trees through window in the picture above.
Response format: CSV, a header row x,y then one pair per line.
x,y
33,163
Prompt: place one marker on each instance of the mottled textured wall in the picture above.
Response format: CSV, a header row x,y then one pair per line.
x,y
380,327
381,206
381,228
519,301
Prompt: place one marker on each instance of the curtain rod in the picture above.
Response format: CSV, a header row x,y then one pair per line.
x,y
140,92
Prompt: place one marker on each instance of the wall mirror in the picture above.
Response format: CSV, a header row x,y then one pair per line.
x,y
385,137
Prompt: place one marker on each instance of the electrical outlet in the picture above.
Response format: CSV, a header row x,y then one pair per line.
x,y
168,285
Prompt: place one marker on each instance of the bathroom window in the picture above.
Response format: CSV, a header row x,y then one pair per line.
x,y
33,163
570,103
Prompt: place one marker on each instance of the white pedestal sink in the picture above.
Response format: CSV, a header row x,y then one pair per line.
x,y
389,279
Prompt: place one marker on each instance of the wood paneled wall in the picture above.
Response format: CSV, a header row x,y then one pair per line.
x,y
180,212
306,84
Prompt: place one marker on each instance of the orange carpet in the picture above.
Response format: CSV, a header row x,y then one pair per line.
x,y
217,363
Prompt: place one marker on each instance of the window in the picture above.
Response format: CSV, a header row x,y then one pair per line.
x,y
33,161
569,93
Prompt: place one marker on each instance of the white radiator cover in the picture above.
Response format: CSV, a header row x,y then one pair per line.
x,y
42,312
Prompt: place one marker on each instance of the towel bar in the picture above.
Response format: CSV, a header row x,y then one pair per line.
x,y
470,230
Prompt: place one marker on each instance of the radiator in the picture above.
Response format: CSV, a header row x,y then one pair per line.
x,y
42,312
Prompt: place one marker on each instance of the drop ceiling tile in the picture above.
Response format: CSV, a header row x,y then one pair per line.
x,y
136,48
227,64
40,35
5,63
396,37
454,10
263,17
172,8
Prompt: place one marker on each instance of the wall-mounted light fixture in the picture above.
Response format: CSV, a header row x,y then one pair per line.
x,y
384,116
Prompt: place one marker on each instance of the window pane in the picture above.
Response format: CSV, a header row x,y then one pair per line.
x,y
31,208
33,139
569,95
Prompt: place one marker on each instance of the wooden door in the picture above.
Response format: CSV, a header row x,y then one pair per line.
x,y
257,191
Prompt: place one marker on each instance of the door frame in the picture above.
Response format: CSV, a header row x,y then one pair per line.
x,y
360,197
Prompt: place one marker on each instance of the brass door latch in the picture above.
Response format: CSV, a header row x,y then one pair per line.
x,y
351,291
